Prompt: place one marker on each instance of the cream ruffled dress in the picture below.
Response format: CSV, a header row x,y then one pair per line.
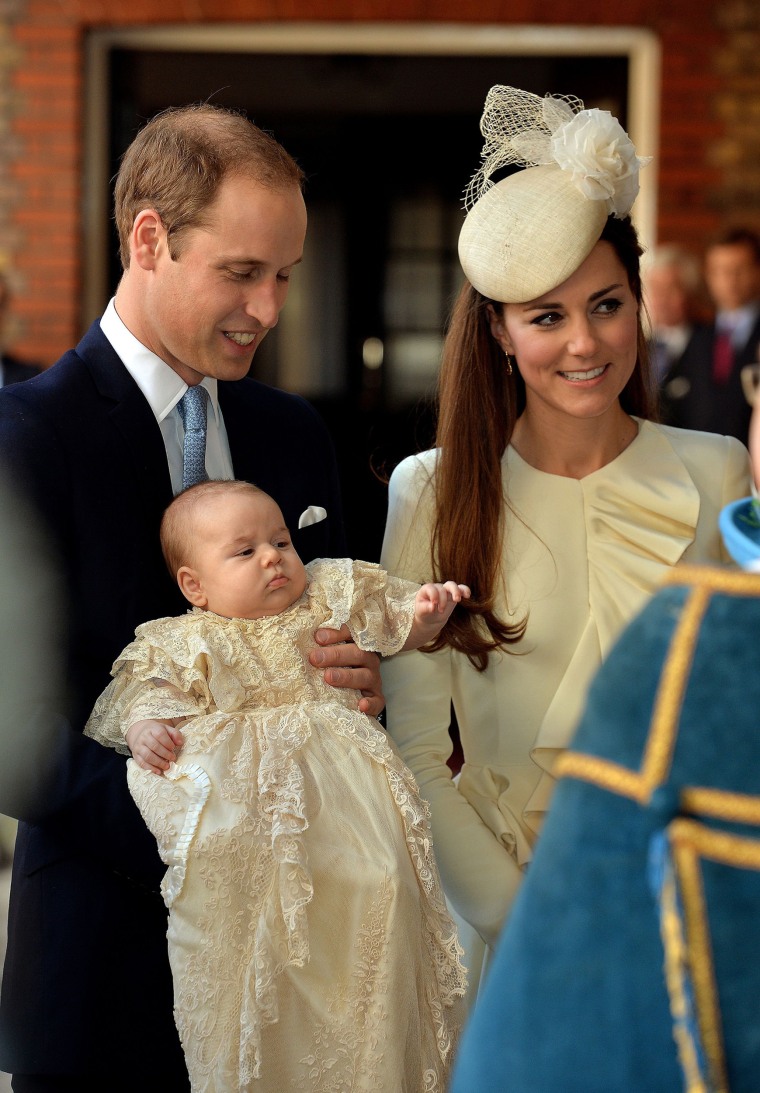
x,y
581,558
309,940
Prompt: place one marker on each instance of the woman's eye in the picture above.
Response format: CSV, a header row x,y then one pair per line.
x,y
549,318
610,306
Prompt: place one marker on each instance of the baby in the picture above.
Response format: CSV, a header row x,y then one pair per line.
x,y
308,935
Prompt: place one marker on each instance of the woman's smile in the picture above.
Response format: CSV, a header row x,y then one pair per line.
x,y
587,376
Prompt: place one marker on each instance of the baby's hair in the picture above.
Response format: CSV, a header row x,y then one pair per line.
x,y
176,523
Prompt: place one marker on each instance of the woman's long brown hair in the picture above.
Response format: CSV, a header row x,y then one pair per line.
x,y
479,402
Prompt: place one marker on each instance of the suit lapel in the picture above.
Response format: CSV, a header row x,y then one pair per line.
x,y
131,417
241,426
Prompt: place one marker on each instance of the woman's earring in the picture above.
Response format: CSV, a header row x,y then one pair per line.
x,y
509,363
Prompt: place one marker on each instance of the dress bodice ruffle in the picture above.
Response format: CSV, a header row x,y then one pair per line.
x,y
636,526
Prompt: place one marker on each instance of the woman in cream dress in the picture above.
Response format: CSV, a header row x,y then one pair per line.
x,y
562,505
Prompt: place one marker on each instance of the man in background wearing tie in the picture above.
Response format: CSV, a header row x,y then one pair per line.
x,y
211,226
672,290
705,389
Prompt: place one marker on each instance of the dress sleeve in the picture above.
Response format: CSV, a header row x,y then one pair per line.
x,y
479,875
150,682
382,609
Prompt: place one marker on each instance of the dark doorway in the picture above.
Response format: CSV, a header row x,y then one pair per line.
x,y
388,144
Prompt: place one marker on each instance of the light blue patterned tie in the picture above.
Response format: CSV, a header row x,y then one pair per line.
x,y
193,407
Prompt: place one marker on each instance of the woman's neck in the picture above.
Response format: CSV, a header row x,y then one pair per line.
x,y
572,447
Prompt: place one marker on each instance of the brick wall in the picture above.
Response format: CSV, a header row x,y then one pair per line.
x,y
710,122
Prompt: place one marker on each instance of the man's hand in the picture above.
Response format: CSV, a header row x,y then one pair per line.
x,y
346,665
154,744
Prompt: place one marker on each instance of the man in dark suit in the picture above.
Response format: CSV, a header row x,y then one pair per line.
x,y
12,369
705,389
211,223
672,282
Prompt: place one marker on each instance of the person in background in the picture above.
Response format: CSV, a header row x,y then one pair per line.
x,y
211,222
672,286
561,503
12,369
706,389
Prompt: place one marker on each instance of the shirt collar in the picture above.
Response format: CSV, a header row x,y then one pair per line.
x,y
740,318
159,383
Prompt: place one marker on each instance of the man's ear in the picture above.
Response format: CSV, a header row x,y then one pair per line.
x,y
190,586
499,328
148,232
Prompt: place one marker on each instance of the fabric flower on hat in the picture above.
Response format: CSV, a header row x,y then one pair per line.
x,y
597,151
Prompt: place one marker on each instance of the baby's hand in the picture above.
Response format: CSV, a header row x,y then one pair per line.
x,y
432,606
154,744
440,599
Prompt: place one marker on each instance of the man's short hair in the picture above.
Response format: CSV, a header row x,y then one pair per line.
x,y
740,237
178,161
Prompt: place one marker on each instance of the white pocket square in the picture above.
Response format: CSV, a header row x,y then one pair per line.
x,y
313,515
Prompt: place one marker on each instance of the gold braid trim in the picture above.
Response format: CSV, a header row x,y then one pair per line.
x,y
663,731
676,966
723,847
728,582
701,959
721,804
691,843
600,772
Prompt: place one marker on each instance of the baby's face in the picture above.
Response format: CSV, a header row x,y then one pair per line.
x,y
243,557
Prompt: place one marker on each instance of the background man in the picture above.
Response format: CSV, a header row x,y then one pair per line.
x,y
672,283
705,389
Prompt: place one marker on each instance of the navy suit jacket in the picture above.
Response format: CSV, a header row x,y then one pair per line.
x,y
691,399
86,983
14,370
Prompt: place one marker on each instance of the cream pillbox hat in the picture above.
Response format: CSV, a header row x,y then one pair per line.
x,y
528,233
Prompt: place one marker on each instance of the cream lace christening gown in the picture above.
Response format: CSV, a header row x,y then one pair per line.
x,y
309,940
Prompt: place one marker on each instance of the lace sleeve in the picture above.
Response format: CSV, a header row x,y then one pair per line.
x,y
150,682
377,608
382,609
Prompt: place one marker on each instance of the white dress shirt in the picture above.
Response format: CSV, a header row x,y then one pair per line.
x,y
738,324
163,389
